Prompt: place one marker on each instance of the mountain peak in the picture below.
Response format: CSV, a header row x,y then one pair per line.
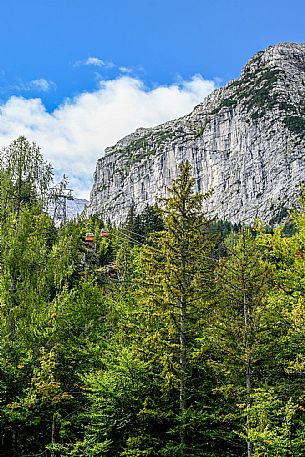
x,y
245,141
285,56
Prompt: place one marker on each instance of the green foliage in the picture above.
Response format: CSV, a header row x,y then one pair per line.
x,y
139,227
136,151
277,425
255,92
227,103
199,131
224,228
239,319
295,124
26,175
173,299
193,346
279,216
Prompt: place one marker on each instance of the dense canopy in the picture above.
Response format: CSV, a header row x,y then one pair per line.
x,y
172,336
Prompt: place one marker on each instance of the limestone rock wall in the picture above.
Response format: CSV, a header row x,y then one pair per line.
x,y
245,142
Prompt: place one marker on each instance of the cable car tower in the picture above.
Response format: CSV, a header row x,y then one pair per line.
x,y
58,196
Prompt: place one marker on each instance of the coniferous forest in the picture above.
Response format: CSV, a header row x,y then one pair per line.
x,y
173,336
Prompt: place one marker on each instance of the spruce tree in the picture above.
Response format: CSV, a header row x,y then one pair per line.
x,y
175,290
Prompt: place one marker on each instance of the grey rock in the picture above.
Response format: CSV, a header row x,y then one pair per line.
x,y
74,209
245,143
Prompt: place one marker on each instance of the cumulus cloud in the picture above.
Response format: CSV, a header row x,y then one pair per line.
x,y
74,135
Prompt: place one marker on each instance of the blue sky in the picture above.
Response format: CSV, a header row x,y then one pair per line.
x,y
73,69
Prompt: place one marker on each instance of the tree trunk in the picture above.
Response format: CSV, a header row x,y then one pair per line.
x,y
183,367
247,331
14,443
53,428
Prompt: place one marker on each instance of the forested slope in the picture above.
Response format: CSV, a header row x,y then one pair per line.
x,y
169,337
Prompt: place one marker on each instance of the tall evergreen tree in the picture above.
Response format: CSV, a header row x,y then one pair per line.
x,y
243,281
276,412
26,234
176,286
25,177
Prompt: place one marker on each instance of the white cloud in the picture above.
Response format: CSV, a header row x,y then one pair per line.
x,y
95,61
75,135
126,70
42,84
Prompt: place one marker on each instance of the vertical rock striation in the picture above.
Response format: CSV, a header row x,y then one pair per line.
x,y
245,142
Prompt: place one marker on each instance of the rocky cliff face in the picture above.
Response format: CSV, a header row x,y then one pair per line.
x,y
245,142
74,208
